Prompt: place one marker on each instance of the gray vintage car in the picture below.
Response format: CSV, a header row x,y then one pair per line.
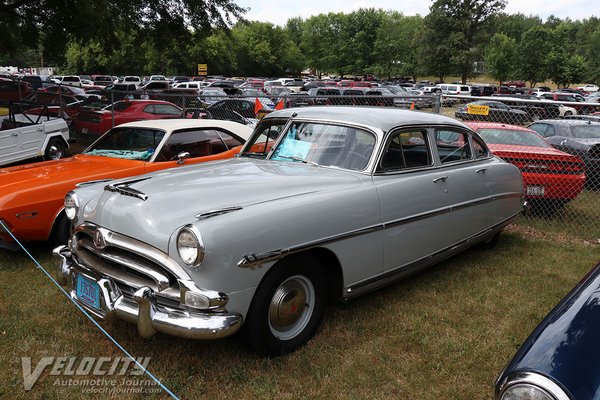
x,y
322,201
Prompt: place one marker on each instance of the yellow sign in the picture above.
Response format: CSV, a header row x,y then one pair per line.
x,y
478,110
202,69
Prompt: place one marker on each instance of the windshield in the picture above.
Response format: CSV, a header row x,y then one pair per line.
x,y
328,145
512,137
586,131
129,143
263,138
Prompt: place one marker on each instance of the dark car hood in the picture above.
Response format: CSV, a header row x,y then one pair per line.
x,y
566,345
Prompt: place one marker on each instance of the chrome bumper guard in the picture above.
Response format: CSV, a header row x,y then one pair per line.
x,y
142,309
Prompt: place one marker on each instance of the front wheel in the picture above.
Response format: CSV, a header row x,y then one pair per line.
x,y
288,306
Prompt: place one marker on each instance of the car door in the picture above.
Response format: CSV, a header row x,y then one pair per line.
x,y
426,183
410,190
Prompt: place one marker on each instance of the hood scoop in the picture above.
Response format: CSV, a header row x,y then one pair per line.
x,y
124,189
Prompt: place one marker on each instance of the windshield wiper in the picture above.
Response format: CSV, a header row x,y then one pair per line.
x,y
298,159
254,155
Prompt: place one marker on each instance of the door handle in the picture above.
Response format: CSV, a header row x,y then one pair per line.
x,y
14,134
481,171
441,178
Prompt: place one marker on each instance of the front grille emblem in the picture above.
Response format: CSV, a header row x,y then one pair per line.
x,y
99,240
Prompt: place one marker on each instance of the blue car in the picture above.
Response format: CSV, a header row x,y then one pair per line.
x,y
561,358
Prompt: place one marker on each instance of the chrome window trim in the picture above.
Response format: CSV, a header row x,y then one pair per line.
x,y
531,378
253,260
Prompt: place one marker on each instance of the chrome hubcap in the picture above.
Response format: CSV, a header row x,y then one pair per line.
x,y
291,307
54,153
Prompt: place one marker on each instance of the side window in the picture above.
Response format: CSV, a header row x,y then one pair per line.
x,y
166,109
149,109
199,143
479,148
544,130
230,141
452,146
406,149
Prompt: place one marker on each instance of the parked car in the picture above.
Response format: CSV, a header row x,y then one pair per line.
x,y
27,135
98,122
559,359
35,81
323,201
31,196
589,88
103,80
492,111
244,107
578,137
551,177
462,90
325,95
132,79
13,90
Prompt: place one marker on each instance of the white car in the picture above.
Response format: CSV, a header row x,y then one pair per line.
x,y
589,88
29,135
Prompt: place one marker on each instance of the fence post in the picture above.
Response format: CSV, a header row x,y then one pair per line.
x,y
437,105
112,109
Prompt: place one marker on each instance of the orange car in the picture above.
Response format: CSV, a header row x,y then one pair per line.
x,y
31,196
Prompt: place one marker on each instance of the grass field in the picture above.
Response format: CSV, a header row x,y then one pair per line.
x,y
445,333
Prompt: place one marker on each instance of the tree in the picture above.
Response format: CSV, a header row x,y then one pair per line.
x,y
534,48
453,30
395,50
501,57
53,23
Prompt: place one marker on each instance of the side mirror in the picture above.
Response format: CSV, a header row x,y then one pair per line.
x,y
184,155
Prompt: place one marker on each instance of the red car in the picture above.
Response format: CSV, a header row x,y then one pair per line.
x,y
98,122
551,177
13,90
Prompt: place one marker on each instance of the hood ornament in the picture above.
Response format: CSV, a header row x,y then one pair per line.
x,y
124,189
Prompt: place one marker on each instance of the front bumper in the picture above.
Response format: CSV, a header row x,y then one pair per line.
x,y
142,308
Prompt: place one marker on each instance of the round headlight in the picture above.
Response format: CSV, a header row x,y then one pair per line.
x,y
71,206
189,246
525,391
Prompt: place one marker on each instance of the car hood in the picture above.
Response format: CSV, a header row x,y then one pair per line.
x,y
175,197
46,177
565,346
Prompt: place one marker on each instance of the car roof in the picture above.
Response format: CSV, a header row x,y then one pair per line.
x,y
381,118
568,122
175,124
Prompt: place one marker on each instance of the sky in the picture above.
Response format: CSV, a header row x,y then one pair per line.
x,y
278,12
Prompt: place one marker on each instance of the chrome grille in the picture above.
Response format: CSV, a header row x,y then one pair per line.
x,y
129,269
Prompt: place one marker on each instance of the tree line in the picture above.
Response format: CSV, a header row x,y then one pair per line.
x,y
172,37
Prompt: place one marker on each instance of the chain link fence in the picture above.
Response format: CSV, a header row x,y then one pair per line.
x,y
556,145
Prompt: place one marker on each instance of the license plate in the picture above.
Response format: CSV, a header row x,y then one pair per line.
x,y
84,130
535,190
88,291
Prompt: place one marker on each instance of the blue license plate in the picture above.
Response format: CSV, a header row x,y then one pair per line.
x,y
88,291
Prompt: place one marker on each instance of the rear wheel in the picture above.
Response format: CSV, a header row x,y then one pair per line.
x,y
56,149
288,307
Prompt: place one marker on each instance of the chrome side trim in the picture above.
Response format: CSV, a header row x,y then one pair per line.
x,y
397,273
220,211
446,210
534,379
253,260
124,189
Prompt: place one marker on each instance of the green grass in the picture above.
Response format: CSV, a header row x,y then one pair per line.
x,y
444,333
